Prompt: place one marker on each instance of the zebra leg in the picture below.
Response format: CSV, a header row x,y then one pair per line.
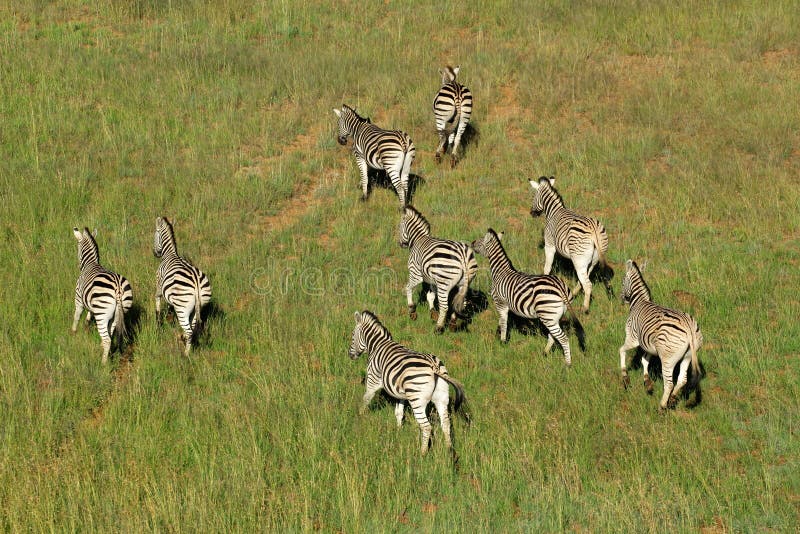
x,y
441,398
399,409
629,343
556,332
442,292
418,406
186,325
368,395
586,284
462,126
88,323
648,382
413,281
682,378
77,317
502,327
408,159
549,254
105,339
666,374
362,169
442,141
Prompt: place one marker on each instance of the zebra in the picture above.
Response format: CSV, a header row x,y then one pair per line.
x,y
409,376
452,108
185,287
672,335
104,294
442,263
374,147
581,239
545,297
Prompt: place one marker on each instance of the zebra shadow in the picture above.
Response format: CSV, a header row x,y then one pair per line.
x,y
469,139
534,327
693,384
563,266
380,178
475,303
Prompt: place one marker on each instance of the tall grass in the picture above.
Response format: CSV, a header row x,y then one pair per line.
x,y
675,124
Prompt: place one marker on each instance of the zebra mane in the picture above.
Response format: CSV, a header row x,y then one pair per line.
x,y
502,248
545,181
373,320
171,233
354,112
91,243
419,217
641,279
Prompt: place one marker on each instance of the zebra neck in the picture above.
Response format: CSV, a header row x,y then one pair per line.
x,y
552,203
498,259
640,296
89,261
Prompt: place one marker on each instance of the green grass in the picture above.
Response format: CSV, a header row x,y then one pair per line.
x,y
675,124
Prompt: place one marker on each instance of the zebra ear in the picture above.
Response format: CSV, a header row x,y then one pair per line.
x,y
643,266
358,317
500,236
338,112
552,180
534,184
456,69
94,234
77,233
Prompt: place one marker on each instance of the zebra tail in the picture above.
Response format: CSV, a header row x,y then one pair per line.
x,y
460,403
606,272
693,346
119,318
197,320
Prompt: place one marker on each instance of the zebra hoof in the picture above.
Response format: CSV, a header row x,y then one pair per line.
x,y
363,198
453,162
434,315
439,330
648,385
453,326
438,157
626,381
413,315
672,402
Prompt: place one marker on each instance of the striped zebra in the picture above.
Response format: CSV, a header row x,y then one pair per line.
x,y
671,335
452,108
374,147
581,239
408,376
104,294
543,297
185,287
441,263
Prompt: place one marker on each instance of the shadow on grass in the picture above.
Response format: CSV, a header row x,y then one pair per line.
x,y
563,267
475,302
379,178
654,371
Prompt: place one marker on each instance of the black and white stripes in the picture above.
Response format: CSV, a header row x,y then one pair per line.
x,y
545,297
103,294
452,109
670,334
441,263
185,287
409,376
581,239
390,150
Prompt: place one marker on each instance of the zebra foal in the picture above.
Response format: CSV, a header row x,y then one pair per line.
x,y
670,334
104,294
408,376
543,297
185,287
376,148
581,239
452,109
441,263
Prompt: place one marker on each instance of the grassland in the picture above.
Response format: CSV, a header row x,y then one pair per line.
x,y
676,124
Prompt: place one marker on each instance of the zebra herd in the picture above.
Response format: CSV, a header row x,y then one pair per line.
x,y
108,296
447,267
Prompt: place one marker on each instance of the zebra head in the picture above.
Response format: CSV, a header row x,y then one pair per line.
x,y
367,328
348,119
87,247
449,74
633,285
481,245
164,238
542,189
412,225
